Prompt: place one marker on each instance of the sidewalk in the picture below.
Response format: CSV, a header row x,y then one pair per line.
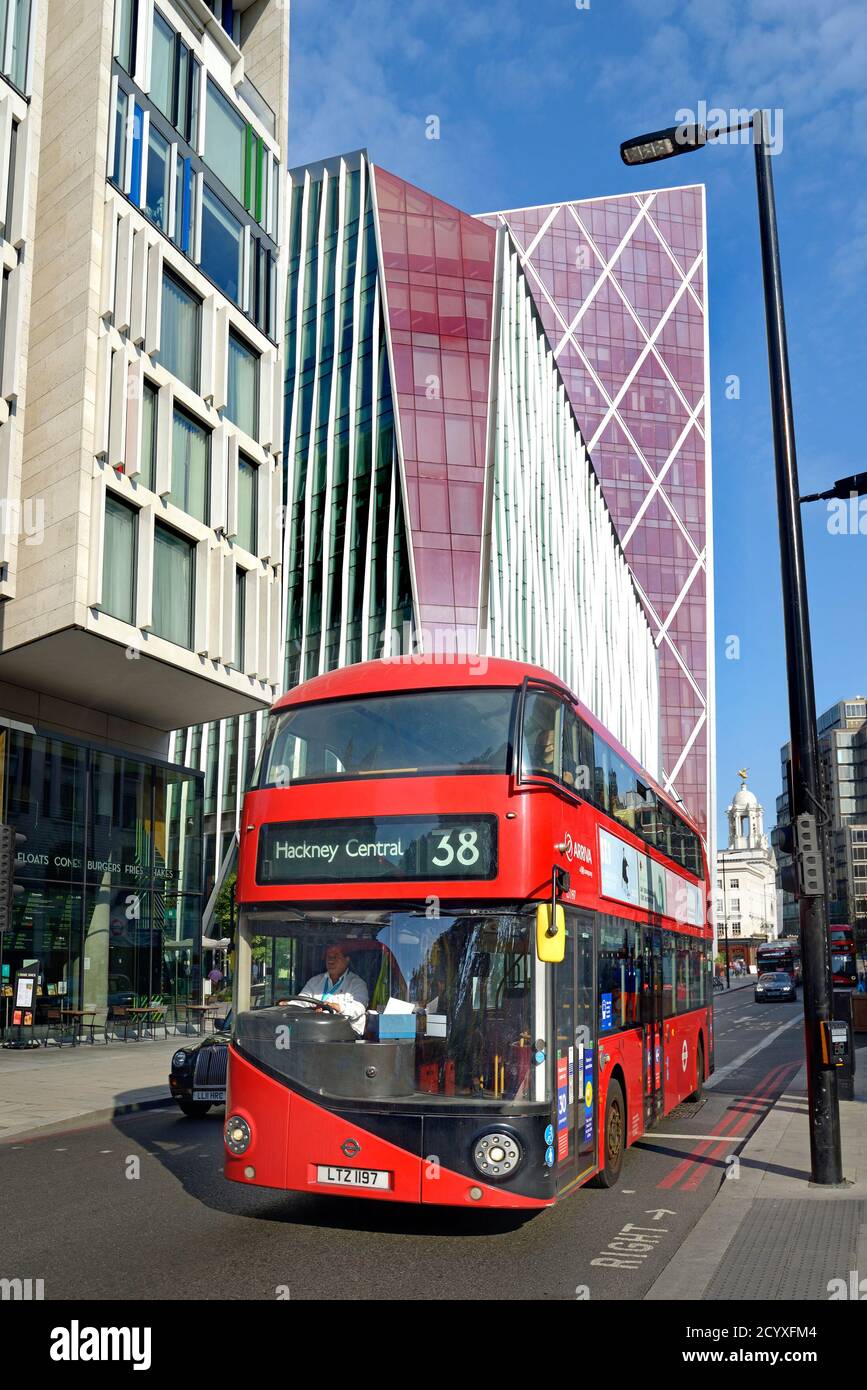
x,y
768,1234
55,1088
742,982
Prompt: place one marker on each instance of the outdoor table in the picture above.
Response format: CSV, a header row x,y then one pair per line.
x,y
198,1011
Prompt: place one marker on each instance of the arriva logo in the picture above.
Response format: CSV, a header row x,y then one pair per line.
x,y
575,850
76,1343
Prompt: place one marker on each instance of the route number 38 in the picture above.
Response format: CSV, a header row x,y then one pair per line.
x,y
466,852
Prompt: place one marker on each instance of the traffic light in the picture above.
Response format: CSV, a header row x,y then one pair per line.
x,y
805,875
10,842
784,840
812,869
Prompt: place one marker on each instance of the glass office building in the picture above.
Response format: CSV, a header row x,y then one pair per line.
x,y
496,439
110,870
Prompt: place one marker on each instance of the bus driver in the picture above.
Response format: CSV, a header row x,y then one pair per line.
x,y
339,987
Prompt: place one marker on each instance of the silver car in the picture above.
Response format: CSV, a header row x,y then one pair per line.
x,y
775,985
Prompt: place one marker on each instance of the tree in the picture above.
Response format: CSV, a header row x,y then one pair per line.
x,y
224,908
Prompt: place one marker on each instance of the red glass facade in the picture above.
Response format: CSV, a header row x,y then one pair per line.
x,y
438,267
620,287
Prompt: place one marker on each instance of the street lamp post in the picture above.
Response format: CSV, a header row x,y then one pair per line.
x,y
824,1114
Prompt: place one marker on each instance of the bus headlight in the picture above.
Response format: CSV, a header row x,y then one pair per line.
x,y
178,1060
237,1135
497,1155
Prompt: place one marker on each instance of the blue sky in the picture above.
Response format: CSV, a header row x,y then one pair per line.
x,y
533,100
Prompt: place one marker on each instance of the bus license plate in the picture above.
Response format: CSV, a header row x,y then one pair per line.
x,y
209,1095
353,1177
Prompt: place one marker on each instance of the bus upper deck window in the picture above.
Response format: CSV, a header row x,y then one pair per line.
x,y
543,735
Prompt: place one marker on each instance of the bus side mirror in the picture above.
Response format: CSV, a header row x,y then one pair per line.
x,y
550,933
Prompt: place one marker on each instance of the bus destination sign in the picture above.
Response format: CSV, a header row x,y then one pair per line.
x,y
378,850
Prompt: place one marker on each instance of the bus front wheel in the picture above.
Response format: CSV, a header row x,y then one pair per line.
x,y
613,1136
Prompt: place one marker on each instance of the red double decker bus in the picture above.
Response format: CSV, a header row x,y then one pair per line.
x,y
844,960
473,957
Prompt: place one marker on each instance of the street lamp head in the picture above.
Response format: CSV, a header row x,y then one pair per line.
x,y
663,144
853,486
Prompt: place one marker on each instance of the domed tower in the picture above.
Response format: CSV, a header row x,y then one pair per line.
x,y
746,819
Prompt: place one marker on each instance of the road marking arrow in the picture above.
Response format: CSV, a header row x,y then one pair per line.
x,y
658,1212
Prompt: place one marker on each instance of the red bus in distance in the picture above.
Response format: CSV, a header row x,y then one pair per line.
x,y
473,956
782,954
844,962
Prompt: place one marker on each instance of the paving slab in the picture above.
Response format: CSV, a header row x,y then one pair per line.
x,y
54,1088
769,1233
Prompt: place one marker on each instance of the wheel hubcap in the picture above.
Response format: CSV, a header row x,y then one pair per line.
x,y
615,1133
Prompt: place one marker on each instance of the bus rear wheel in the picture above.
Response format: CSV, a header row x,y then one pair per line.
x,y
613,1136
699,1077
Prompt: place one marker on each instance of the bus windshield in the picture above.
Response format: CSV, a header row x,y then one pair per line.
x,y
457,988
433,731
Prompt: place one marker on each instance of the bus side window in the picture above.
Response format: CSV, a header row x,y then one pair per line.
x,y
542,735
578,755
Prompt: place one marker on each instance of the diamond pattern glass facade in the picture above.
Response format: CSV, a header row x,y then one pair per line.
x,y
620,288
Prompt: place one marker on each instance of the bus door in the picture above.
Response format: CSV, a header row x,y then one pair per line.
x,y
575,1051
651,1017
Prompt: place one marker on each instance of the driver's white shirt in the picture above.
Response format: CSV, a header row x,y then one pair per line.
x,y
352,995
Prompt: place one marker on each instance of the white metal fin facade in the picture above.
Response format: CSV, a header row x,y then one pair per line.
x,y
559,589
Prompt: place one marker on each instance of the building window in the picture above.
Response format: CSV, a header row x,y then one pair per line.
x,y
133,175
118,564
736,928
224,11
191,458
162,64
174,557
185,187
222,243
158,174
225,132
10,181
125,38
243,404
240,617
734,883
180,331
4,302
247,487
174,79
262,287
118,168
148,461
